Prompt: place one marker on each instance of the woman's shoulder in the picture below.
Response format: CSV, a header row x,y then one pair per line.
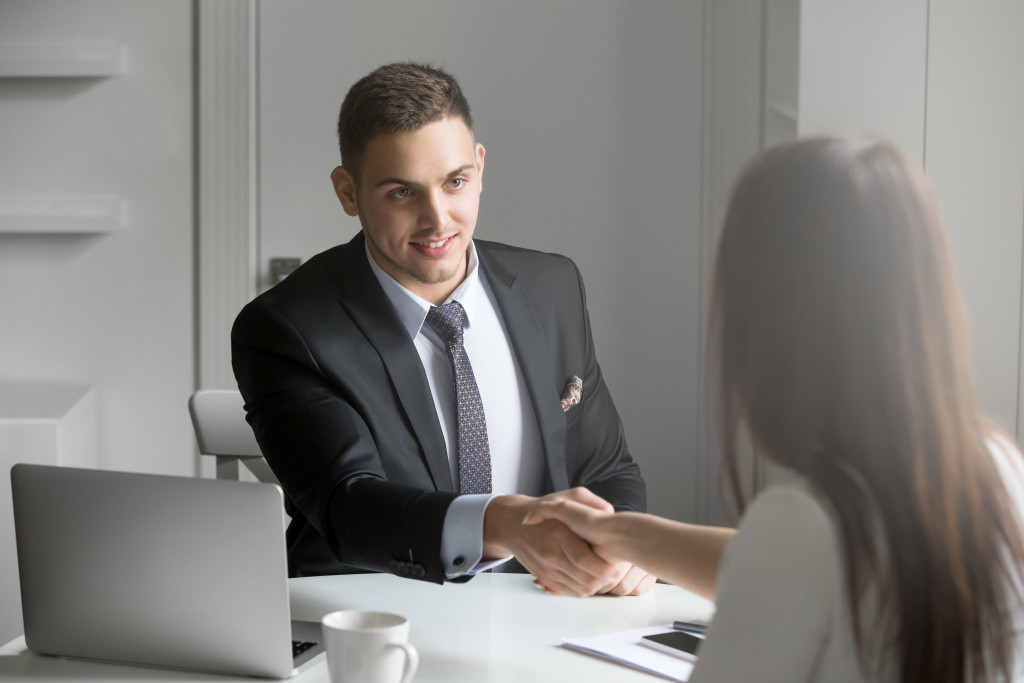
x,y
1009,463
793,500
1006,454
788,519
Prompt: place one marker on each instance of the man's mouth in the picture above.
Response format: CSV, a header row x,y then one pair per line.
x,y
434,245
434,248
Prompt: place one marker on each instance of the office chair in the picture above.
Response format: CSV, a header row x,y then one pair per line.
x,y
218,418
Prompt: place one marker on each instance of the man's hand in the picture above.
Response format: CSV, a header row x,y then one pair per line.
x,y
635,581
578,509
559,560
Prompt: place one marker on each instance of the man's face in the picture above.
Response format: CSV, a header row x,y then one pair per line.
x,y
417,200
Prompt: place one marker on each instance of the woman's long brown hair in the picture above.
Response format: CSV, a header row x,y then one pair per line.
x,y
841,342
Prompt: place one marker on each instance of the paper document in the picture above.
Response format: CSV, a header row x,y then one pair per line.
x,y
624,647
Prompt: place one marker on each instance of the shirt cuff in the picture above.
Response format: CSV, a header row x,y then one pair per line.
x,y
462,537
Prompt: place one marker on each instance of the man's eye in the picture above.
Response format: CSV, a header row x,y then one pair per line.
x,y
456,183
401,193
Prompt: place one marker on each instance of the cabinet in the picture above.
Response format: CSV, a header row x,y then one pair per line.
x,y
47,424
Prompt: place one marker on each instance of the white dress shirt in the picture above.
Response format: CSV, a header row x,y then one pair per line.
x,y
512,432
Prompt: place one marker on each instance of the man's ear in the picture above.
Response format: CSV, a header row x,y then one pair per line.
x,y
480,151
345,188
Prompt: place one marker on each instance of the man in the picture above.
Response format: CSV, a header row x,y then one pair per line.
x,y
417,392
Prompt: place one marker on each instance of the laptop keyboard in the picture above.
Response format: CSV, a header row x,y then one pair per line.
x,y
300,646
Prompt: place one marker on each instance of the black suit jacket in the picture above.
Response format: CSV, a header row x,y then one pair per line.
x,y
339,402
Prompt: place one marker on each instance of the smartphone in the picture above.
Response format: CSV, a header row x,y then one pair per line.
x,y
697,628
678,643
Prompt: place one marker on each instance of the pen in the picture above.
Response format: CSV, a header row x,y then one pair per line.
x,y
690,627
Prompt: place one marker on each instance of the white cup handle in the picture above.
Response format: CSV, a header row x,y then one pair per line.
x,y
412,660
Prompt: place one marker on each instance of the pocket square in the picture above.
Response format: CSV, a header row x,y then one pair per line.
x,y
572,394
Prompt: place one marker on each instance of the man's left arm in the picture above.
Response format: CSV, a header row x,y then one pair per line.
x,y
595,453
597,456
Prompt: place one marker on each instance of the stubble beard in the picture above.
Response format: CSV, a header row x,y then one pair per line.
x,y
431,277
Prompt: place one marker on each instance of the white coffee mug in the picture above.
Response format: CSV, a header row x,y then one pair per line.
x,y
368,647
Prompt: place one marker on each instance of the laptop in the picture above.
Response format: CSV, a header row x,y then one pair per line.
x,y
152,570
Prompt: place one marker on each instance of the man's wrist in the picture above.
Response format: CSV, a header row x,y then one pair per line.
x,y
462,534
502,513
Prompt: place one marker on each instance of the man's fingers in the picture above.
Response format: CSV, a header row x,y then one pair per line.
x,y
564,563
581,569
632,581
623,583
645,585
581,556
555,543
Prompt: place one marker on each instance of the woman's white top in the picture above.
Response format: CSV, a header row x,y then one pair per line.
x,y
782,613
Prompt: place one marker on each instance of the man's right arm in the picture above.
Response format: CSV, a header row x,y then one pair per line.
x,y
324,454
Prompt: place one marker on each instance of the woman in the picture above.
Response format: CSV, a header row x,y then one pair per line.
x,y
840,347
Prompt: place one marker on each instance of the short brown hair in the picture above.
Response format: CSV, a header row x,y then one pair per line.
x,y
396,98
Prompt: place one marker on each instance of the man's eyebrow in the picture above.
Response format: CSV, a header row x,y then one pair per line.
x,y
461,169
394,180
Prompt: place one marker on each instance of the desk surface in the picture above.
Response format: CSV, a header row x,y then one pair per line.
x,y
495,628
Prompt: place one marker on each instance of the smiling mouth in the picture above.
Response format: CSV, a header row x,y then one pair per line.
x,y
435,245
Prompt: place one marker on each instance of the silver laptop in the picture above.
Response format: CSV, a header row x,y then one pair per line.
x,y
163,571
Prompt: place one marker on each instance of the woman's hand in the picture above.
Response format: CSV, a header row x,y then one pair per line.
x,y
581,511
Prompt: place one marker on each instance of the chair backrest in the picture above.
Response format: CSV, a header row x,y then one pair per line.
x,y
218,417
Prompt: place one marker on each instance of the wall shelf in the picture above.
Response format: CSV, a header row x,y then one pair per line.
x,y
53,214
61,60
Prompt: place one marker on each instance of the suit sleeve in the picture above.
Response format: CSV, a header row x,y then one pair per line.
x,y
325,457
602,461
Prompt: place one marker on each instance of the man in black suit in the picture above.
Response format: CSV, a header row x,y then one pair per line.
x,y
391,459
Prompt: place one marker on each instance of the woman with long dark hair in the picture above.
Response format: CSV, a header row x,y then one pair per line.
x,y
839,345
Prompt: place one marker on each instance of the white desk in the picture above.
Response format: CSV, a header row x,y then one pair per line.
x,y
498,628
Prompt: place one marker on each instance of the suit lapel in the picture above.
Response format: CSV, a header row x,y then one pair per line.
x,y
533,357
364,300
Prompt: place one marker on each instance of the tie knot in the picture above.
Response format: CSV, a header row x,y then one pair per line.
x,y
448,320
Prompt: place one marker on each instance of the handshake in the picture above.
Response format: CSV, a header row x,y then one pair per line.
x,y
537,532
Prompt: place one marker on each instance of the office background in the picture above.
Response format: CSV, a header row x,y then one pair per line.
x,y
141,200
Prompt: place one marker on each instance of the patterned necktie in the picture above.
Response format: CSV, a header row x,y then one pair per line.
x,y
474,453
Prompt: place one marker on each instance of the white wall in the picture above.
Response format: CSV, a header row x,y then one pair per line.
x,y
114,311
943,79
974,153
863,68
738,58
591,113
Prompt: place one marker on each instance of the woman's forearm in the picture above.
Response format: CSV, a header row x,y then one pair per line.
x,y
687,555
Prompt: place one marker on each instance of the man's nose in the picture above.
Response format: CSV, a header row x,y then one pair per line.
x,y
435,211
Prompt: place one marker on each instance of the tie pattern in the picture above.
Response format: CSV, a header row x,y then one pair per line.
x,y
474,451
